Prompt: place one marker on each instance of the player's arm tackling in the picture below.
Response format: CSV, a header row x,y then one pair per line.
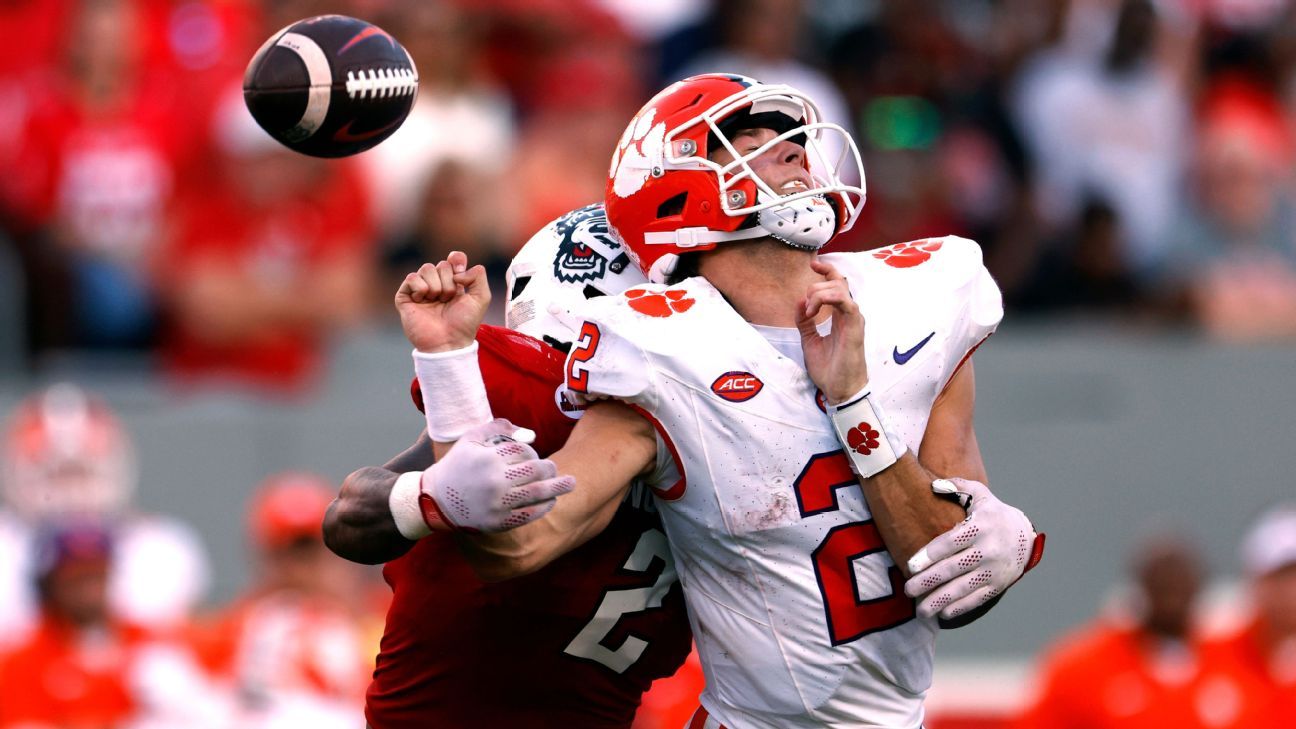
x,y
359,525
609,447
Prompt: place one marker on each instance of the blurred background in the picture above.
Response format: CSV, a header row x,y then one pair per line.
x,y
222,308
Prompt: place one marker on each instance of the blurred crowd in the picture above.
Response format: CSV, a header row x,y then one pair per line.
x,y
1158,658
1127,159
104,619
103,615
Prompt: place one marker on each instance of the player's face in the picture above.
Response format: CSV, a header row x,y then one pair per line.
x,y
1276,599
782,166
79,591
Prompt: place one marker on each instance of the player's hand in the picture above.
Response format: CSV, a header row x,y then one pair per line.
x,y
442,305
975,561
835,362
490,481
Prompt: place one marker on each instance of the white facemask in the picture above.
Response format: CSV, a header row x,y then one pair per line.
x,y
807,223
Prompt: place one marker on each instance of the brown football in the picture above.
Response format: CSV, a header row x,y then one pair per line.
x,y
330,86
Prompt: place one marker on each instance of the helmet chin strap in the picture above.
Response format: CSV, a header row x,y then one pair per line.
x,y
807,224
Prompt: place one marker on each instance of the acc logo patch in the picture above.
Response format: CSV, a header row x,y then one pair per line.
x,y
737,386
587,249
908,255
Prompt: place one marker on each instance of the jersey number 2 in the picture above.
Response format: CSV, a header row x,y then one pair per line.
x,y
848,616
586,344
588,643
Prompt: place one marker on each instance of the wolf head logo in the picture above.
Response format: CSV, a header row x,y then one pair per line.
x,y
588,250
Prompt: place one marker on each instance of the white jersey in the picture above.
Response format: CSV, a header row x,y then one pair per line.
x,y
797,609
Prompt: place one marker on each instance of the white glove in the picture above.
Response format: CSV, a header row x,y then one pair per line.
x,y
975,561
490,481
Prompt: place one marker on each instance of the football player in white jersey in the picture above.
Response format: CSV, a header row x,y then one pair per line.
x,y
65,456
803,470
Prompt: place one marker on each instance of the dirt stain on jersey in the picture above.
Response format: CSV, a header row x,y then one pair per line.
x,y
780,512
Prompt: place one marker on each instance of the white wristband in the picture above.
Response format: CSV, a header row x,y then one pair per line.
x,y
872,445
404,504
454,396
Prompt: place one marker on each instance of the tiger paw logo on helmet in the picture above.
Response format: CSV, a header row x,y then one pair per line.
x,y
638,154
659,304
908,255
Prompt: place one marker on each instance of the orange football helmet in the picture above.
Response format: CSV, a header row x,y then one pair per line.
x,y
665,196
66,456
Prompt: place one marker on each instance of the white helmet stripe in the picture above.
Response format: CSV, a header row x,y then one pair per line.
x,y
321,84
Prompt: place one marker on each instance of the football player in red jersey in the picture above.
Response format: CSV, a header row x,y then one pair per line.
x,y
573,645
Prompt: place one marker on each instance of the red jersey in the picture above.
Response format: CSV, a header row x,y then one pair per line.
x,y
573,645
61,678
1266,675
278,245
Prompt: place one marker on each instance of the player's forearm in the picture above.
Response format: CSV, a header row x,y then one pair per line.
x,y
359,525
575,519
627,447
907,512
505,555
500,556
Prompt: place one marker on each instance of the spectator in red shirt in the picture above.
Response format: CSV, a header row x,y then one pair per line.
x,y
1142,669
87,174
271,257
84,668
1263,652
298,647
60,676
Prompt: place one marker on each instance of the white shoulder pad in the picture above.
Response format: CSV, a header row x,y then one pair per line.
x,y
571,259
948,261
952,264
603,362
943,276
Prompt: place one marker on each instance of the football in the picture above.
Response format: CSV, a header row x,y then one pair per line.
x,y
330,86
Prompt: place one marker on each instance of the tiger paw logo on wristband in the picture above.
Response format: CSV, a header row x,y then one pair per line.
x,y
663,304
863,438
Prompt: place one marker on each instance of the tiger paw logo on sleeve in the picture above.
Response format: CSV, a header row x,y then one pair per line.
x,y
659,304
908,255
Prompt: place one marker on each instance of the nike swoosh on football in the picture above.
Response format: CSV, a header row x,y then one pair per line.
x,y
903,357
369,32
344,134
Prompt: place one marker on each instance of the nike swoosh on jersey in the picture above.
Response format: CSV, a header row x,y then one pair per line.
x,y
903,357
